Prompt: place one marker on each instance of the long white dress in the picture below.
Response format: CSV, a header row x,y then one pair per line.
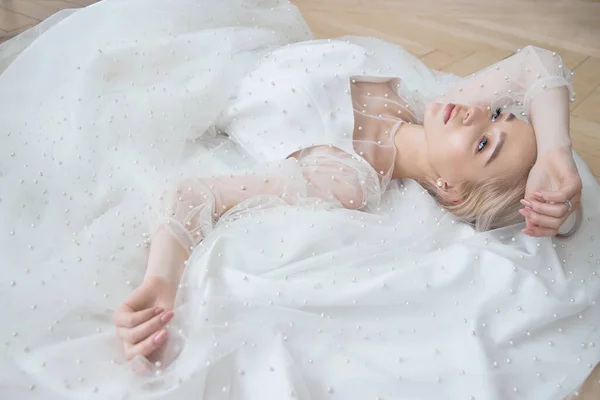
x,y
360,288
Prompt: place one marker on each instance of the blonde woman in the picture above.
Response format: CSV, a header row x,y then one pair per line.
x,y
497,152
261,215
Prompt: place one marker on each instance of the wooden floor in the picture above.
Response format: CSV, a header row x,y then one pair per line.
x,y
457,36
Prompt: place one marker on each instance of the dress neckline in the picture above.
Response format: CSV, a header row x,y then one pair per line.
x,y
373,135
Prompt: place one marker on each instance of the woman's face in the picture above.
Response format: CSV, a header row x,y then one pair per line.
x,y
466,143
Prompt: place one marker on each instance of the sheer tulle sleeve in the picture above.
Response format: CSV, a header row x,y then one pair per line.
x,y
315,175
513,82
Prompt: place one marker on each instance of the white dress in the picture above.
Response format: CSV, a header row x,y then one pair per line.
x,y
329,281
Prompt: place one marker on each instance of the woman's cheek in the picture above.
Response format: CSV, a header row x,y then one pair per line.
x,y
429,113
449,157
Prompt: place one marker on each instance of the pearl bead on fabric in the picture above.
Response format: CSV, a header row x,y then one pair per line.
x,y
135,129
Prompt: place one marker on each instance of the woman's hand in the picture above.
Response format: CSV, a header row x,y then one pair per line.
x,y
552,181
141,318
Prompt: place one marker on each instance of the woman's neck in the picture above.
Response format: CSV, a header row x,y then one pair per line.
x,y
411,153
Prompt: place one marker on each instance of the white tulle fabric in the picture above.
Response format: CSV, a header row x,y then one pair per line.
x,y
514,82
319,174
290,291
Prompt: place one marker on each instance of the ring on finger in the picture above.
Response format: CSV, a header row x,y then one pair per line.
x,y
569,205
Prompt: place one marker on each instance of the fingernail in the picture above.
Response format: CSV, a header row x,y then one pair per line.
x,y
160,336
526,231
526,203
158,310
166,317
524,212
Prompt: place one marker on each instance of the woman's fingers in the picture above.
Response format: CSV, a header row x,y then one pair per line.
x,y
139,365
540,225
146,346
541,220
127,318
538,231
544,217
556,210
144,330
564,194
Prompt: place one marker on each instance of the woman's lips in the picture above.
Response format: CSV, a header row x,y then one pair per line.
x,y
448,112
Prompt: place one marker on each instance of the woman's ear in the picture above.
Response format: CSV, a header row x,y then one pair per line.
x,y
449,192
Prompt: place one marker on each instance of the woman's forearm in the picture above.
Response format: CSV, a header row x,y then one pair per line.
x,y
167,256
549,113
196,203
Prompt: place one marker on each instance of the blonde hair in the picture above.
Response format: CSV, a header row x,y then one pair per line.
x,y
492,204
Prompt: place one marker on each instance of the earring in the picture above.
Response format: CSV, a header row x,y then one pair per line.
x,y
440,183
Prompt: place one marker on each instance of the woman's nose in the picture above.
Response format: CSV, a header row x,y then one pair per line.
x,y
471,115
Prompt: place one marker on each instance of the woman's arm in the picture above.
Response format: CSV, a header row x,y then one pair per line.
x,y
550,117
167,257
191,207
534,84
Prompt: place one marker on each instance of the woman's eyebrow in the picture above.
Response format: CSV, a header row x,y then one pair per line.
x,y
497,149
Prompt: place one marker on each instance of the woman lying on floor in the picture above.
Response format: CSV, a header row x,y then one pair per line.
x,y
475,160
292,250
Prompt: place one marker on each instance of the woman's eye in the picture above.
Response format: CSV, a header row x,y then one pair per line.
x,y
496,114
482,144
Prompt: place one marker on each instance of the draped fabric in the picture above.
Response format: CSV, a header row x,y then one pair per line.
x,y
312,274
